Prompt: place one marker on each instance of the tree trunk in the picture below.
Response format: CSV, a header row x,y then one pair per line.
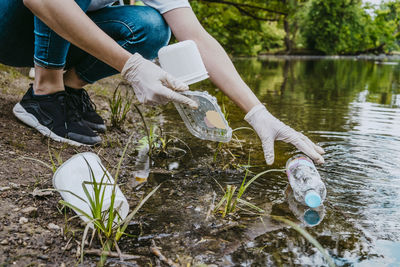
x,y
288,42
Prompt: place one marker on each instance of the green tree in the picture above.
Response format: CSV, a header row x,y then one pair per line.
x,y
240,29
254,17
386,26
337,27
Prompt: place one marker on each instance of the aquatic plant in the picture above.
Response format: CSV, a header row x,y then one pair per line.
x,y
230,201
119,106
159,142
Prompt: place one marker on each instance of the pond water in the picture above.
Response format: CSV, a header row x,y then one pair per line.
x,y
348,106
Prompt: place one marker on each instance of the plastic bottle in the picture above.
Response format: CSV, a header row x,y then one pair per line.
x,y
308,216
305,181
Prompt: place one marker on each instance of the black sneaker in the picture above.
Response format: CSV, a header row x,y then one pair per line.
x,y
87,109
55,116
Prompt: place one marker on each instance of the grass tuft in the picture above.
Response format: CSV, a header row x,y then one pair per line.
x,y
230,201
119,106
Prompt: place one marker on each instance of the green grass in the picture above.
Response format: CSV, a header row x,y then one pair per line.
x,y
232,197
119,107
157,140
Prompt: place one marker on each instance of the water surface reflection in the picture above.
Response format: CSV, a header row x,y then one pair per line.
x,y
351,108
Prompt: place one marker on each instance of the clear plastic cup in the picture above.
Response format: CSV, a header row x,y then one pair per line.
x,y
70,176
183,61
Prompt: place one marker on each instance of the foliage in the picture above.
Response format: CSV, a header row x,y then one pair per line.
x,y
238,34
330,26
336,26
345,27
386,25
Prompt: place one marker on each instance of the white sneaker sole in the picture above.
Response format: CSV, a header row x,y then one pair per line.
x,y
31,120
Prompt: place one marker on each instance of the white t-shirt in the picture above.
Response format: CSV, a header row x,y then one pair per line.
x,y
161,5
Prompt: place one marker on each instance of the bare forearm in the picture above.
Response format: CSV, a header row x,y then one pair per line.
x,y
67,19
223,74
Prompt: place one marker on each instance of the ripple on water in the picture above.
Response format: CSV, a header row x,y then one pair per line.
x,y
362,168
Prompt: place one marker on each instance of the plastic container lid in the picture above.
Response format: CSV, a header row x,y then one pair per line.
x,y
312,199
207,122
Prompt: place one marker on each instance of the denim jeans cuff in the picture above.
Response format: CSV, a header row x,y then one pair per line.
x,y
48,65
83,77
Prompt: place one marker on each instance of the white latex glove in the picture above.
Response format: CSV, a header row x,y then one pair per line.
x,y
152,85
270,129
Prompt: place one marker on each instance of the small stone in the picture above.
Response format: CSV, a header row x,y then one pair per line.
x,y
4,242
14,185
53,226
4,188
16,209
41,193
43,257
23,220
29,210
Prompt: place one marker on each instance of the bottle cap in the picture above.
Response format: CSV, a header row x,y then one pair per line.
x,y
311,217
312,199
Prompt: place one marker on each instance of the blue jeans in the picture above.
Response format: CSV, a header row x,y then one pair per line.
x,y
25,40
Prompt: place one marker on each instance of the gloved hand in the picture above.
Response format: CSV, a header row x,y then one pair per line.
x,y
270,129
152,85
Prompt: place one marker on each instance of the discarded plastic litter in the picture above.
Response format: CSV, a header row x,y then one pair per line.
x,y
142,166
308,216
305,181
207,122
75,172
183,61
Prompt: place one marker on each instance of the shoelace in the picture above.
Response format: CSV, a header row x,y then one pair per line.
x,y
87,103
70,111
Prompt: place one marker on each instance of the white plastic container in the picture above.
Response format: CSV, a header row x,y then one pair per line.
x,y
207,122
305,181
74,172
183,61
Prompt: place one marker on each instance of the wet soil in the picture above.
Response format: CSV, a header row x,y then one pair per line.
x,y
35,230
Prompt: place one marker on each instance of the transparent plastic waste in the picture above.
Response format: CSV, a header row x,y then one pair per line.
x,y
207,122
308,216
305,181
142,166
